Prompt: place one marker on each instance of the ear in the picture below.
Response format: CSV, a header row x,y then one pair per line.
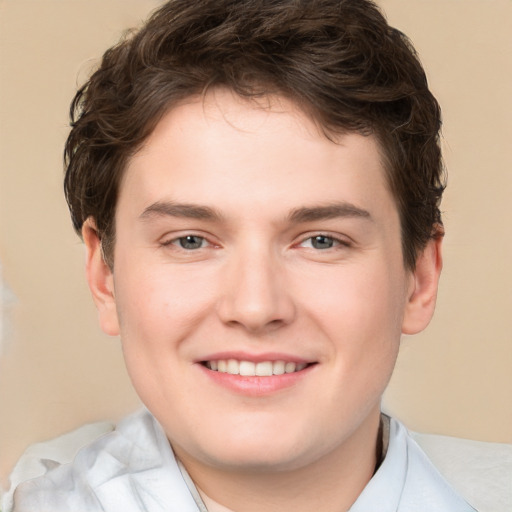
x,y
100,279
423,288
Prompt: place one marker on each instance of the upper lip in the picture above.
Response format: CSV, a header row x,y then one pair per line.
x,y
255,358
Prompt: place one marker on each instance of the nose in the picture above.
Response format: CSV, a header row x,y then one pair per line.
x,y
255,294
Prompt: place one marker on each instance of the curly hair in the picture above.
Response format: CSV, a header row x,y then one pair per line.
x,y
338,60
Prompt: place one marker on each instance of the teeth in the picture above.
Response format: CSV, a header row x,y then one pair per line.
x,y
263,369
278,368
250,369
289,367
246,368
233,367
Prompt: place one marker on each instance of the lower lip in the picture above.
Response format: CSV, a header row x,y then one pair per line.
x,y
257,386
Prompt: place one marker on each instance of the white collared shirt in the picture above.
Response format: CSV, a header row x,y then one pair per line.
x,y
133,469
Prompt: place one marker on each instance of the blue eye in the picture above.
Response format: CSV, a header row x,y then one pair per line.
x,y
190,242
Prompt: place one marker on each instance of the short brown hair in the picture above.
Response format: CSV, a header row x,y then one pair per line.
x,y
338,60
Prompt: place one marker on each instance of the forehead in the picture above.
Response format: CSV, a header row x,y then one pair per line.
x,y
223,148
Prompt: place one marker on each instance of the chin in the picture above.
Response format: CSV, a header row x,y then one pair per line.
x,y
257,450
264,461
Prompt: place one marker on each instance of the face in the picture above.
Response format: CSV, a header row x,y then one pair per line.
x,y
258,287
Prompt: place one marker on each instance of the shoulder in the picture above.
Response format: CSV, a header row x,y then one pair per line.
x,y
480,471
120,468
407,480
424,485
458,474
40,458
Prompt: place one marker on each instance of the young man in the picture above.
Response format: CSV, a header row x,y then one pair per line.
x,y
257,183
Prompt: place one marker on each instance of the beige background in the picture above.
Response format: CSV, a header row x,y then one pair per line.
x,y
58,371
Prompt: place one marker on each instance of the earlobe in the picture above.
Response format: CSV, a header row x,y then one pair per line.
x,y
100,279
424,284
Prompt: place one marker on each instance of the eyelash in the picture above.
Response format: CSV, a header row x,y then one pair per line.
x,y
178,242
335,241
329,239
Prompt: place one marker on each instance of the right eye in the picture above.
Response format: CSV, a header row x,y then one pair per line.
x,y
189,242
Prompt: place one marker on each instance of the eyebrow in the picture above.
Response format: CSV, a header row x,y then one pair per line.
x,y
330,211
297,215
183,210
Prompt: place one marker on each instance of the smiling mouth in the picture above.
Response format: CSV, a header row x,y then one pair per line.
x,y
251,369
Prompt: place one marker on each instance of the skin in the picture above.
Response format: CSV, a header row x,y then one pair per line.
x,y
259,182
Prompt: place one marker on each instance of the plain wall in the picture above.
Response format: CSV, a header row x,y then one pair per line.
x,y
58,370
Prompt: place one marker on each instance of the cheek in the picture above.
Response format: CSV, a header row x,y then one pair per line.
x,y
358,299
156,314
158,306
361,313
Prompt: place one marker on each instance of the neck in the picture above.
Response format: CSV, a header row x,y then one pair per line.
x,y
331,483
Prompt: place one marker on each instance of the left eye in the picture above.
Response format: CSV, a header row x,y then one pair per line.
x,y
190,242
320,242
